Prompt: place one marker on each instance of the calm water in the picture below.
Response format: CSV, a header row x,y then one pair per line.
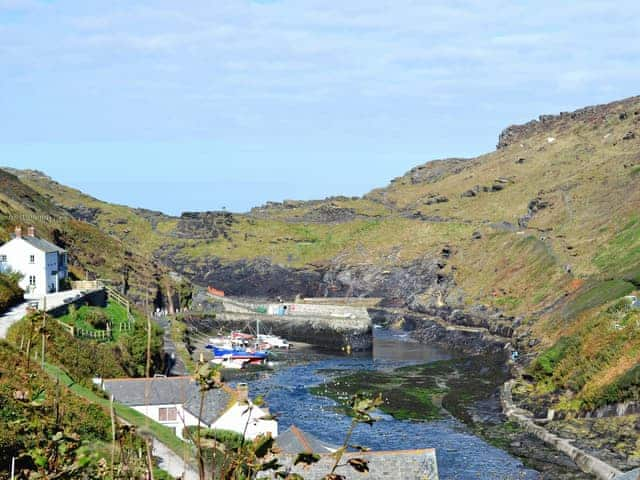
x,y
461,455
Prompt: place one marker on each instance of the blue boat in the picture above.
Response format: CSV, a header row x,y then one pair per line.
x,y
238,354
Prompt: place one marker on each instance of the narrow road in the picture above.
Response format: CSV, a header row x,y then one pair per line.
x,y
12,316
178,367
54,300
172,463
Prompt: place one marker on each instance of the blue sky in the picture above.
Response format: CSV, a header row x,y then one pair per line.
x,y
196,105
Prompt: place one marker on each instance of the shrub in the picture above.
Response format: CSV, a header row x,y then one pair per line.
x,y
230,439
97,319
10,292
545,364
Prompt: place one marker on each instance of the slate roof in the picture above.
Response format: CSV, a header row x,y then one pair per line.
x,y
294,441
216,403
400,464
170,391
42,244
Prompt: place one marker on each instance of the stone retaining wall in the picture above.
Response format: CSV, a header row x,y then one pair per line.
x,y
587,463
325,332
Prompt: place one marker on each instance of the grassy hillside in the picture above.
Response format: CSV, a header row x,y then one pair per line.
x,y
93,252
545,227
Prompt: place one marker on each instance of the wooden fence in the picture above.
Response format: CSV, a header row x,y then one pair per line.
x,y
112,294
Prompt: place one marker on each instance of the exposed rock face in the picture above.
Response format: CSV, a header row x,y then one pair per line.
x,y
84,213
434,199
399,286
479,316
438,169
430,331
203,225
329,213
534,207
250,278
594,114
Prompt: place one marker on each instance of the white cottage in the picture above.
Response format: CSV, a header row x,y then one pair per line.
x,y
42,264
175,403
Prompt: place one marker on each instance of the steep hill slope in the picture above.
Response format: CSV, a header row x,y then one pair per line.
x,y
559,196
93,253
533,240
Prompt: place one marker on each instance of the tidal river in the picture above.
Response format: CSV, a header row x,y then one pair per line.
x,y
461,455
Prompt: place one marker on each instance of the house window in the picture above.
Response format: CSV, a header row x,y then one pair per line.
x,y
3,258
32,280
168,414
32,259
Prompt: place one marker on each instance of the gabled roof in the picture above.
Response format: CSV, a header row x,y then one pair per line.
x,y
136,392
216,402
400,464
294,441
41,244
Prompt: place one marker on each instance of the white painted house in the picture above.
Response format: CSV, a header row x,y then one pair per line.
x,y
175,402
42,264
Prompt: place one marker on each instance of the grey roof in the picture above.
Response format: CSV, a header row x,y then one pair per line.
x,y
294,441
400,464
42,244
215,404
168,391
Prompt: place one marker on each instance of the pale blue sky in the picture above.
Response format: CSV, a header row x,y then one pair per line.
x,y
194,105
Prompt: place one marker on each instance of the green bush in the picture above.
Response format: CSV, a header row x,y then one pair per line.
x,y
625,388
231,440
10,292
546,363
97,319
84,359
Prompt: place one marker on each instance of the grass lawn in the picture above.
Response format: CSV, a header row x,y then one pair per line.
x,y
114,312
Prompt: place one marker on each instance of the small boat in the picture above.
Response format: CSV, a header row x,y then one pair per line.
x,y
227,361
252,358
274,341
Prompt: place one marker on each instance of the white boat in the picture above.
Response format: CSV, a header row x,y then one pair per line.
x,y
223,342
274,341
227,361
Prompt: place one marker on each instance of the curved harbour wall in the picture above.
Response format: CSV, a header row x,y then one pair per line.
x,y
328,326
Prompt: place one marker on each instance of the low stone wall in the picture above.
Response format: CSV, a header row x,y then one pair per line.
x,y
587,463
367,302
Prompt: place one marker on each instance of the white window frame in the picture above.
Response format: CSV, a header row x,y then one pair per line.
x,y
3,259
167,414
32,280
32,259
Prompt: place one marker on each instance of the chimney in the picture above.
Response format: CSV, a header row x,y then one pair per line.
x,y
31,231
243,392
18,231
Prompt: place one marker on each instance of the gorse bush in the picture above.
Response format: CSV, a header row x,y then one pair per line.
x,y
10,292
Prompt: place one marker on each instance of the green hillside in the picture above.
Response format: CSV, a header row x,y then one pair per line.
x,y
545,228
93,251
